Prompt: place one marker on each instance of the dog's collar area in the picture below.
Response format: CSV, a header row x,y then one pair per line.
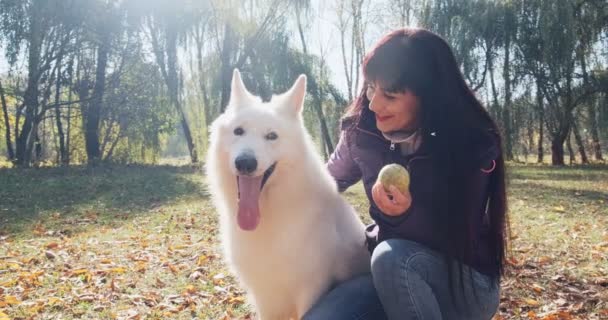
x,y
267,174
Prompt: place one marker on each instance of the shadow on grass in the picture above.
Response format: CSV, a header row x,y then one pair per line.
x,y
568,194
594,172
30,195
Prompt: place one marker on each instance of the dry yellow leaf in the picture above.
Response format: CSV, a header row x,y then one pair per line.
x,y
4,316
52,245
13,266
190,290
201,260
10,283
118,270
532,302
141,266
79,272
237,299
173,268
544,259
560,209
35,309
537,288
11,300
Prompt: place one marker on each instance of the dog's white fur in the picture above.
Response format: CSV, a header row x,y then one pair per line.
x,y
308,237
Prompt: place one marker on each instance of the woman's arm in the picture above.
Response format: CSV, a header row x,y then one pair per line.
x,y
342,166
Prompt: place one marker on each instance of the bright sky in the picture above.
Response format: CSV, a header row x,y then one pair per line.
x,y
3,63
322,36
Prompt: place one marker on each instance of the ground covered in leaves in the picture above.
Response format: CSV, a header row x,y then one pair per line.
x,y
141,243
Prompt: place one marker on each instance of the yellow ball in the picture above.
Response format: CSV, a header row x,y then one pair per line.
x,y
396,175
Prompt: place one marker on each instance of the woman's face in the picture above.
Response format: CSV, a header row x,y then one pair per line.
x,y
394,110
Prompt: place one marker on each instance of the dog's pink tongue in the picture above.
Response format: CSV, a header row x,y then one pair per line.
x,y
248,216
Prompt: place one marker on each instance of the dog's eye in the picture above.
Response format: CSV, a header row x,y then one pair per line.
x,y
272,136
239,131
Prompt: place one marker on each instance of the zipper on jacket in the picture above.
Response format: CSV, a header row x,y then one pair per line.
x,y
392,147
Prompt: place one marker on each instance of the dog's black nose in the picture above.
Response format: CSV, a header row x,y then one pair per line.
x,y
246,163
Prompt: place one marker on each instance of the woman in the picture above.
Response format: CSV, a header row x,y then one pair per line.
x,y
441,246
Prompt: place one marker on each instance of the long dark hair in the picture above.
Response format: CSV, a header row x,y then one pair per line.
x,y
451,117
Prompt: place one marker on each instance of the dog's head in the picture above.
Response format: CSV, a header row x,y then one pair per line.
x,y
257,137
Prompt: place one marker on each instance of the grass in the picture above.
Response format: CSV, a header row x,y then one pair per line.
x,y
140,242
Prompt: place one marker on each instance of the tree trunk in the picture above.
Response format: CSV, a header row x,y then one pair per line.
x,y
301,29
579,142
530,133
23,156
201,78
7,124
30,99
226,72
93,115
541,121
593,127
328,147
496,107
324,129
108,156
61,135
557,151
506,109
69,128
173,85
595,134
570,149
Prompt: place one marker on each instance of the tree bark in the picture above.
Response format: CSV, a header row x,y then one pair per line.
x,y
541,122
226,74
570,150
595,134
506,109
593,127
557,152
60,133
7,124
579,142
173,84
328,147
199,38
496,107
30,98
93,115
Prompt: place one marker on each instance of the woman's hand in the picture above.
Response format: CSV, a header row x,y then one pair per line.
x,y
394,203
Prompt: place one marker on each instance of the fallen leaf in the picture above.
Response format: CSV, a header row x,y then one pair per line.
x,y
50,255
532,302
52,245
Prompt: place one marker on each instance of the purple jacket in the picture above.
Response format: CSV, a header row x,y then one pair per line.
x,y
362,151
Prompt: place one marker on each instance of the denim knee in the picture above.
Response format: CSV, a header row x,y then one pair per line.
x,y
394,253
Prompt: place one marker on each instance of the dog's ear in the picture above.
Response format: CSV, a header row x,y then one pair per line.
x,y
292,101
239,96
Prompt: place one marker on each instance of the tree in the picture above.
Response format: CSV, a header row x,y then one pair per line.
x,y
7,125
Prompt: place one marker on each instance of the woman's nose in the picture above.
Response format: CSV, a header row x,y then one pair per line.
x,y
375,104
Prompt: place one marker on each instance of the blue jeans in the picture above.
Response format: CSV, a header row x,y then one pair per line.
x,y
408,281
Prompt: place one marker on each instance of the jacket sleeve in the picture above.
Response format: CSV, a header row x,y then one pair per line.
x,y
342,166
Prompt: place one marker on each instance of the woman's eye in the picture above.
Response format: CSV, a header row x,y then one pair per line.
x,y
389,97
239,131
272,136
369,92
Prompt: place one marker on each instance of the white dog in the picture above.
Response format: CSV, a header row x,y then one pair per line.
x,y
286,231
